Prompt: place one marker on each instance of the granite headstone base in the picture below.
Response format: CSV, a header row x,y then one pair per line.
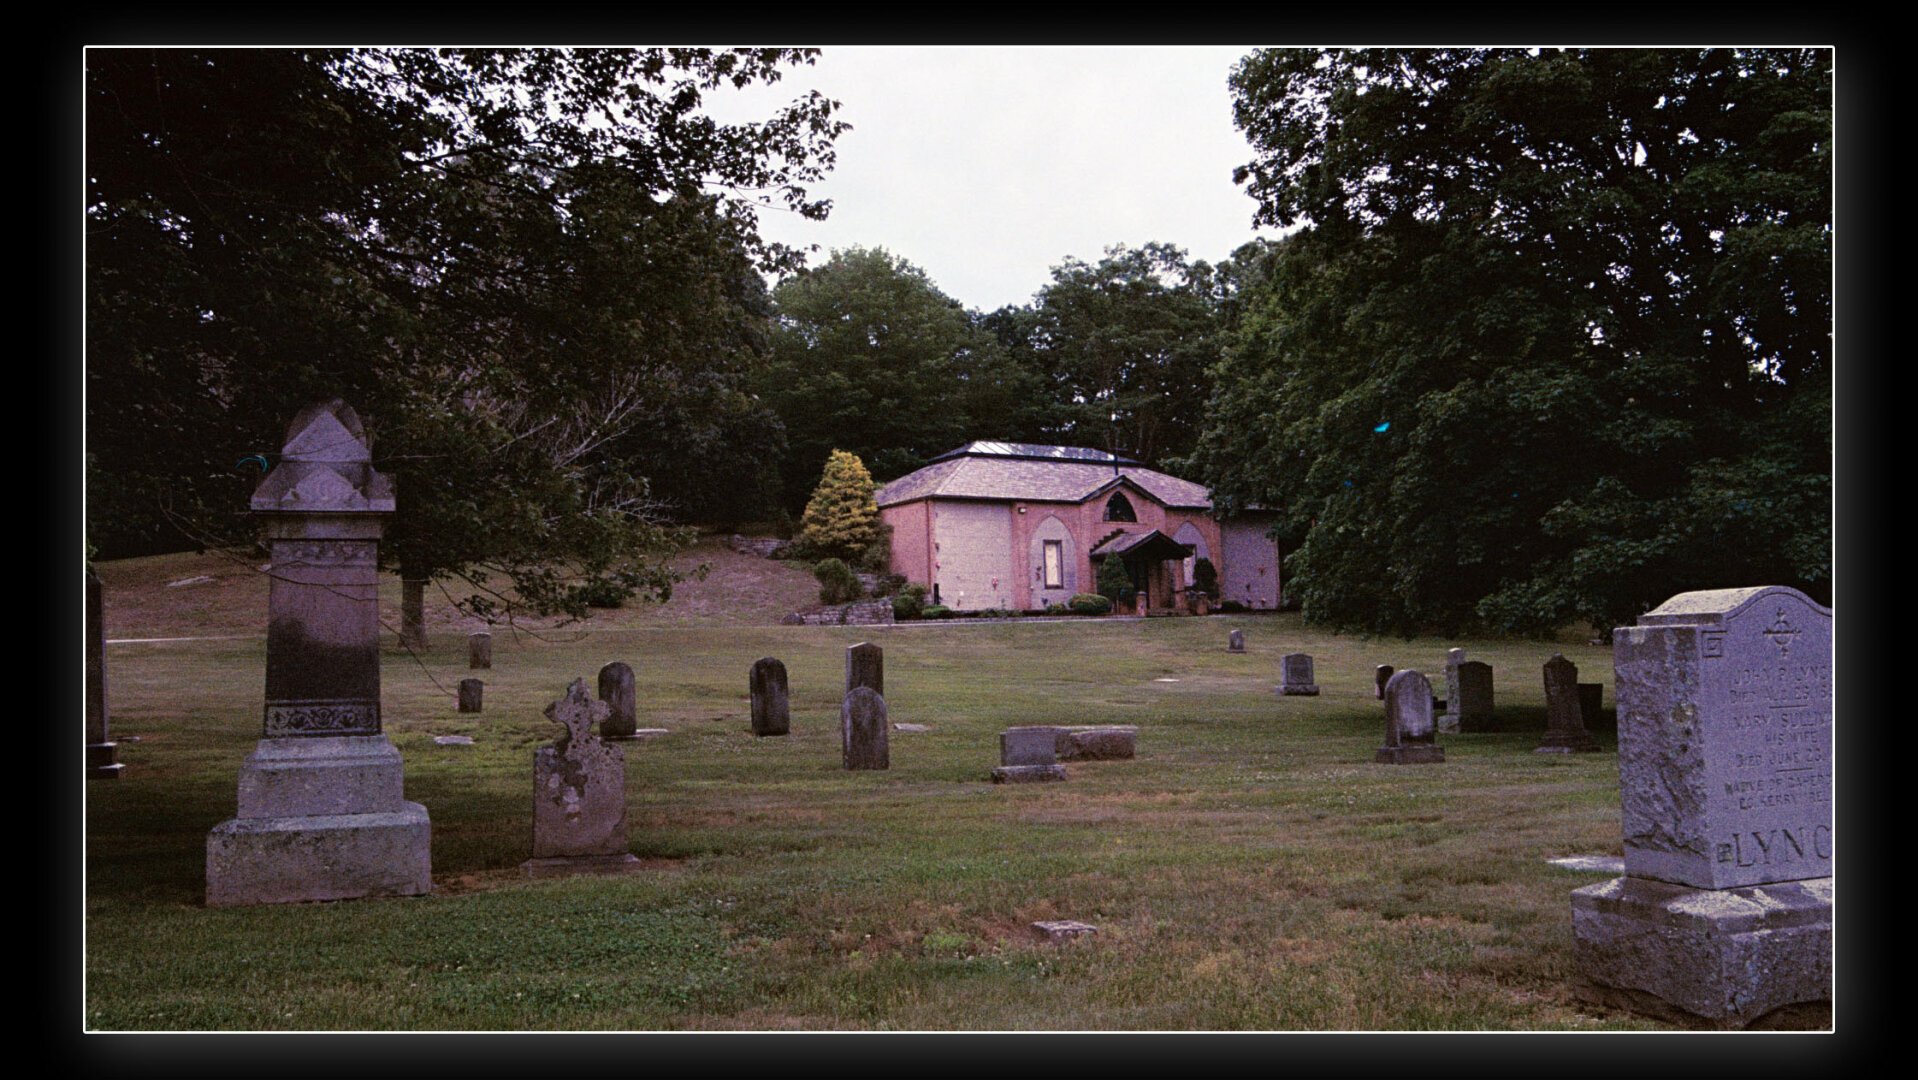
x,y
1724,956
1028,774
1567,742
320,819
1409,755
1300,690
102,763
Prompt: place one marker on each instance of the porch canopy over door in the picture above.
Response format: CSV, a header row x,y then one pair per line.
x,y
1140,551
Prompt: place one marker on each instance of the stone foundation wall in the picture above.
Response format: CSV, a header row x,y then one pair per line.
x,y
863,613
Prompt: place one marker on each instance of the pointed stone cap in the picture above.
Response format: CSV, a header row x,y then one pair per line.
x,y
325,467
327,431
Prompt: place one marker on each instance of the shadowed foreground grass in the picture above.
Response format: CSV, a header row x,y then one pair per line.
x,y
1251,869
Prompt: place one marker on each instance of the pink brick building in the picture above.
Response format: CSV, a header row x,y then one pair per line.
x,y
1020,526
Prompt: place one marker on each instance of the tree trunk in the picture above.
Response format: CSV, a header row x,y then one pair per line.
x,y
413,613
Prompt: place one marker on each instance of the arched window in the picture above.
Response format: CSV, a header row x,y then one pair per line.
x,y
1119,508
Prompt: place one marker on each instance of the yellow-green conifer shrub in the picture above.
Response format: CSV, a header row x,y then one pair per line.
x,y
842,520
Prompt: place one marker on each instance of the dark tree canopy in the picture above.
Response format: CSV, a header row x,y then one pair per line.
x,y
1123,347
1555,342
534,272
872,358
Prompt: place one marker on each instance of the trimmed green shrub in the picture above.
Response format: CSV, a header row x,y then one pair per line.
x,y
837,582
1058,609
936,611
910,603
603,594
1090,604
1205,577
1113,582
995,613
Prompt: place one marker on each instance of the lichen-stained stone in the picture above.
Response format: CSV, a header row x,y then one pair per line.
x,y
1725,729
321,814
1726,955
1102,742
1029,746
866,666
1028,774
1409,729
1295,675
771,702
1724,738
1564,713
1448,721
1474,704
579,784
862,730
618,690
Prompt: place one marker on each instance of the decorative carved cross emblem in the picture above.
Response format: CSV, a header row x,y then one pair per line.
x,y
1781,632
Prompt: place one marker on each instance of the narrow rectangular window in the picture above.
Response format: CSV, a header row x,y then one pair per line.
x,y
1055,565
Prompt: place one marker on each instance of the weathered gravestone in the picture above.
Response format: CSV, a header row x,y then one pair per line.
x,y
1097,742
579,795
1564,717
321,814
862,730
471,695
1448,720
1591,703
1028,755
866,666
1724,757
1295,675
1235,641
479,650
617,690
772,708
1474,702
1409,730
101,750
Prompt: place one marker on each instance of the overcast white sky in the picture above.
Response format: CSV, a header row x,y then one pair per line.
x,y
987,166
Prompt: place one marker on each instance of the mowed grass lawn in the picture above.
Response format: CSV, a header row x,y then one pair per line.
x,y
1251,869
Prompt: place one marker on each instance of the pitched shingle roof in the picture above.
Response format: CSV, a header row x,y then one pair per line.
x,y
986,476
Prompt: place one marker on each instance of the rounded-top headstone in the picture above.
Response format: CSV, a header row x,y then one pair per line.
x,y
862,730
617,690
1408,708
771,707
